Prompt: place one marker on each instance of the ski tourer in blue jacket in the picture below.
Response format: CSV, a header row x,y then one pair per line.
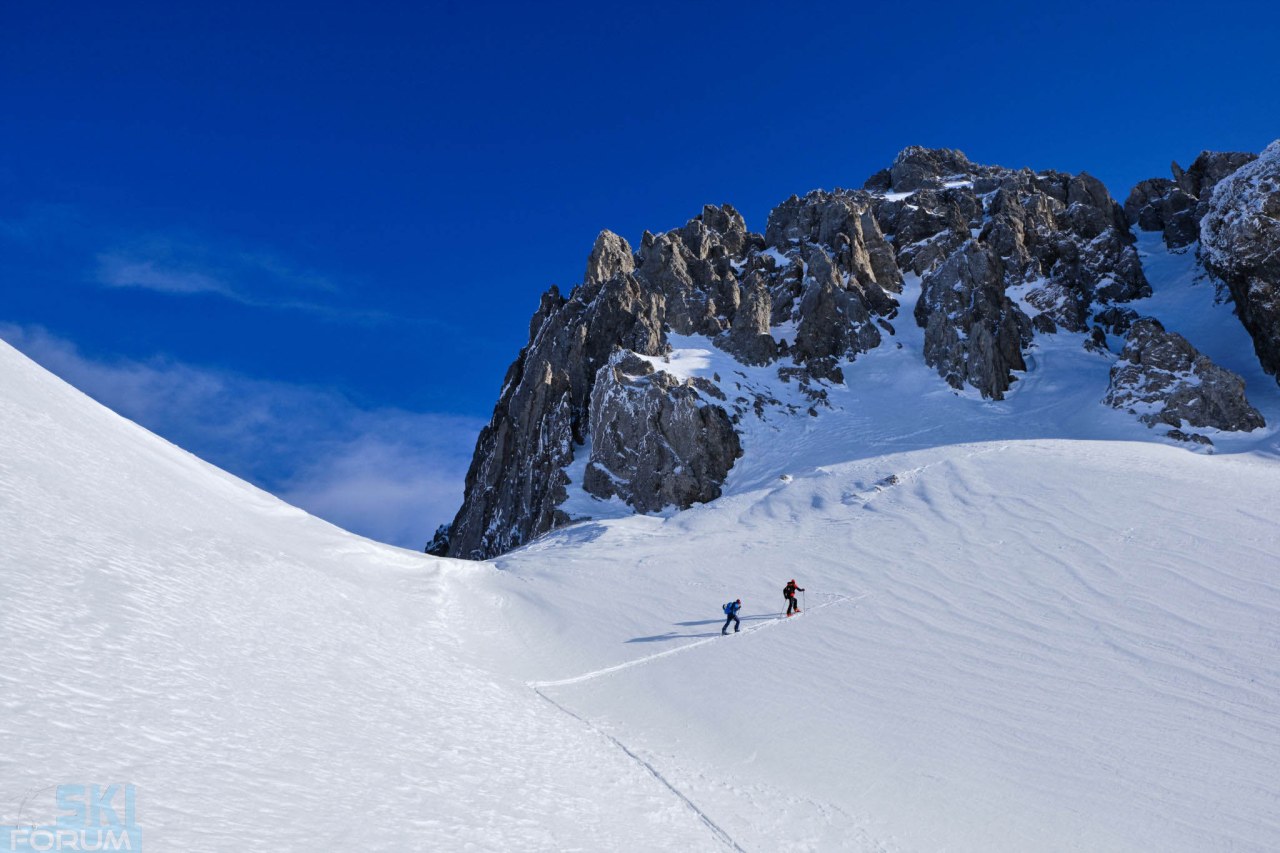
x,y
731,612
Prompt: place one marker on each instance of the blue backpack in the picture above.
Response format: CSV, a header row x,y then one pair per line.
x,y
729,608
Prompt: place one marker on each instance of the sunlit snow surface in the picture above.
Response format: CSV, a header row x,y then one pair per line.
x,y
1030,625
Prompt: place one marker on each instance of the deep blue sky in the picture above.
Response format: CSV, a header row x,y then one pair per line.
x,y
304,240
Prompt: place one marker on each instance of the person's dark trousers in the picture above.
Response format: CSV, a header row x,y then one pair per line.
x,y
792,605
733,617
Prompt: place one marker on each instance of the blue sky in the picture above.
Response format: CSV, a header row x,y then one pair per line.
x,y
304,240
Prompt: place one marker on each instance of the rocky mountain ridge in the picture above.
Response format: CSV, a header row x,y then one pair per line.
x,y
991,258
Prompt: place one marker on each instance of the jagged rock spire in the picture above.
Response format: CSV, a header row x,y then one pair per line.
x,y
821,287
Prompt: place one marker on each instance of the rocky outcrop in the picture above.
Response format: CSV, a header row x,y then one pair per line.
x,y
818,289
1177,206
1208,169
835,322
918,168
844,224
749,338
1240,244
692,267
973,332
841,277
1159,204
657,441
438,545
983,229
684,281
610,256
1163,379
516,481
1116,320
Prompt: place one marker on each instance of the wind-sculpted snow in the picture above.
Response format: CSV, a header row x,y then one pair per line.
x,y
1031,645
1008,643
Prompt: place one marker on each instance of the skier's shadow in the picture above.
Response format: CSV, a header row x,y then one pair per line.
x,y
658,638
672,635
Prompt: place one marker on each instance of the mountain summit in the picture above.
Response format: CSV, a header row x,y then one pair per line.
x,y
987,265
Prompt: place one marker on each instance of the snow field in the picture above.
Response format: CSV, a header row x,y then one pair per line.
x,y
1064,630
266,680
1034,645
1030,625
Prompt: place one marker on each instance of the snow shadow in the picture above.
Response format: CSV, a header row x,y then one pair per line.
x,y
658,638
673,635
721,621
579,534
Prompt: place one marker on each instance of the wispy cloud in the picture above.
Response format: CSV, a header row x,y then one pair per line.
x,y
119,271
253,278
388,474
186,265
181,263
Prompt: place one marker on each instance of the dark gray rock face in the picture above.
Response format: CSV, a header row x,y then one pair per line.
x,y
1067,230
693,269
972,331
917,168
1240,244
843,223
516,481
1193,438
1160,204
841,278
656,440
685,281
929,225
1063,228
1116,320
438,546
748,339
1163,379
991,228
1209,168
835,322
1177,206
610,256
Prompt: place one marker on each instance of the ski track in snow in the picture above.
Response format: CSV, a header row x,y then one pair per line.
x,y
609,670
723,837
266,680
538,687
1108,603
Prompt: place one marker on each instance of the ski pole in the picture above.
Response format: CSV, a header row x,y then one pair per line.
x,y
804,599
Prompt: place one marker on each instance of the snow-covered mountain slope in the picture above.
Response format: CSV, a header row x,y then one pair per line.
x,y
1030,645
1034,624
1030,625
267,681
